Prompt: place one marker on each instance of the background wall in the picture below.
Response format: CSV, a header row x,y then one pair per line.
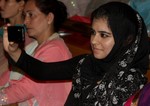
x,y
85,7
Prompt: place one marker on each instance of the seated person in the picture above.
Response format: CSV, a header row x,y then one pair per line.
x,y
43,20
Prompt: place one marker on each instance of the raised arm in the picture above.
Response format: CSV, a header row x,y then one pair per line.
x,y
37,69
47,71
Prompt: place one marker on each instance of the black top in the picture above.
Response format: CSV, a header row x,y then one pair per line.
x,y
87,81
62,70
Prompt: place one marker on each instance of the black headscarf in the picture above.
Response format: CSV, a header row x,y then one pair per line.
x,y
125,26
112,80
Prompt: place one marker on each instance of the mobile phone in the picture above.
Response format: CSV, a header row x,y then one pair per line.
x,y
16,34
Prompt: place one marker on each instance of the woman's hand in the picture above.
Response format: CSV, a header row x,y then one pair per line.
x,y
10,47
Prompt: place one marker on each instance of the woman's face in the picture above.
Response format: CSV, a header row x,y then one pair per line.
x,y
102,40
37,23
9,8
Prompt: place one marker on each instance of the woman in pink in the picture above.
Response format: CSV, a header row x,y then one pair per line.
x,y
42,19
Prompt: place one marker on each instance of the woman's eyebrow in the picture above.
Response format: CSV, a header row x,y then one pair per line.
x,y
104,32
27,11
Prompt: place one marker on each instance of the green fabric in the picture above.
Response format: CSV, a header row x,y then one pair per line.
x,y
1,31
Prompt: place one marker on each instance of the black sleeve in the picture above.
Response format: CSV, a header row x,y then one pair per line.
x,y
47,71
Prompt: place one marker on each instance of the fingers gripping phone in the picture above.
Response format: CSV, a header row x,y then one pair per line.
x,y
16,34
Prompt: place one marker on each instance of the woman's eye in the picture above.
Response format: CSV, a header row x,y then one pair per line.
x,y
92,32
104,35
30,14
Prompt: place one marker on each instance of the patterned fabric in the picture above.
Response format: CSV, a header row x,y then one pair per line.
x,y
108,93
116,86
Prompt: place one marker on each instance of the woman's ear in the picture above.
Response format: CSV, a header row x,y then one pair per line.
x,y
21,5
50,18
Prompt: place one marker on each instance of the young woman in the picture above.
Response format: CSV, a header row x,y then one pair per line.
x,y
114,71
11,11
42,19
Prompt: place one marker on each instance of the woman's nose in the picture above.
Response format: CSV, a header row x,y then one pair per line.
x,y
95,38
26,21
